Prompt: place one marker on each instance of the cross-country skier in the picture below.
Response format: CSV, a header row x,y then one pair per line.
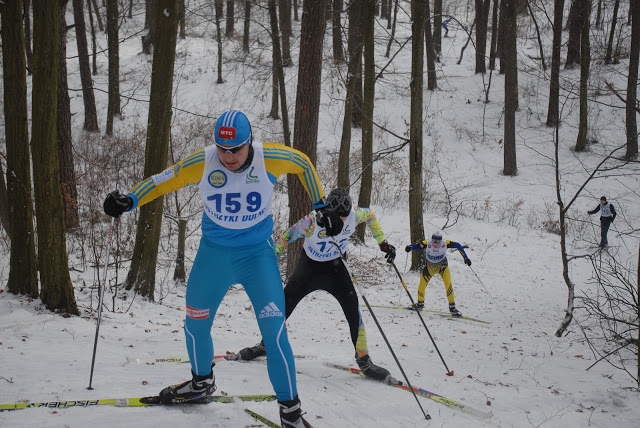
x,y
607,216
445,25
320,268
435,250
236,177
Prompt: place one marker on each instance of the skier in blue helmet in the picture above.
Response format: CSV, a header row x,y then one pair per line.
x,y
236,177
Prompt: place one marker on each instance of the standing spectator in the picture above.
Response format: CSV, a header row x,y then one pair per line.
x,y
236,177
607,216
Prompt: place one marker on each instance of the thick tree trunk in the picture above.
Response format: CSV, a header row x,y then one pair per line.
x,y
510,87
247,26
56,289
553,112
142,273
285,28
65,142
27,35
230,27
366,179
481,37
336,32
23,273
305,126
612,32
90,112
585,60
632,84
113,106
432,80
416,225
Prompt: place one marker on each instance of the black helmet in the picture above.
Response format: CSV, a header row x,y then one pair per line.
x,y
340,201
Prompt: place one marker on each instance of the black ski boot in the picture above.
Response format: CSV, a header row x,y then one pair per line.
x,y
371,370
454,312
291,415
248,354
191,390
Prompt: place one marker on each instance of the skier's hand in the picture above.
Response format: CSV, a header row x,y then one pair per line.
x,y
408,248
467,261
116,203
390,251
330,220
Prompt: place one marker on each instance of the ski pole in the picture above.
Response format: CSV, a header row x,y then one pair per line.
x,y
364,298
100,297
490,296
449,372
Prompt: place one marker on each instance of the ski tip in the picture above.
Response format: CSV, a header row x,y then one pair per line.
x,y
450,373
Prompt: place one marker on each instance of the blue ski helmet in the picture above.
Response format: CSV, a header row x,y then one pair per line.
x,y
437,236
340,201
232,129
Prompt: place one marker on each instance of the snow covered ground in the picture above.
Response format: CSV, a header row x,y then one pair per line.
x,y
513,366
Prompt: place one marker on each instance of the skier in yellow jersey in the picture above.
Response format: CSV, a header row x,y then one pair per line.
x,y
236,177
435,250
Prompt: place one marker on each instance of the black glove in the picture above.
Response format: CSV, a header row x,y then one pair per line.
x,y
389,249
330,220
116,203
467,261
408,248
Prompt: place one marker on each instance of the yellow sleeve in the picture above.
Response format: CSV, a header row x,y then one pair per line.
x,y
367,215
280,159
186,171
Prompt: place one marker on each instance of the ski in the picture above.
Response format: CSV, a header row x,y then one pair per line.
x,y
184,360
435,312
258,417
133,402
421,392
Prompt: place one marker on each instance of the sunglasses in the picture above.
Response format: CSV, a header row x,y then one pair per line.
x,y
231,150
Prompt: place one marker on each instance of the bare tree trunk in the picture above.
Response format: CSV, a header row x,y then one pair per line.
x,y
218,6
585,60
336,31
23,265
247,25
142,273
279,83
285,28
432,80
93,40
416,226
27,35
305,127
90,112
149,38
96,9
494,35
481,38
354,44
366,179
180,273
510,60
113,107
65,141
575,24
182,11
56,289
632,84
230,27
437,28
540,47
553,112
612,32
